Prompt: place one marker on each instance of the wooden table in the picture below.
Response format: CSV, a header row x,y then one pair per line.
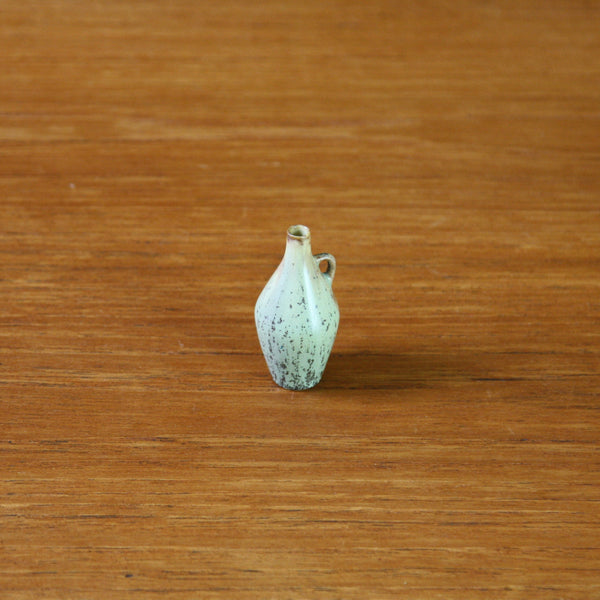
x,y
152,155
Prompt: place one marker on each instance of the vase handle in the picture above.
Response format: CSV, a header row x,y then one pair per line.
x,y
329,274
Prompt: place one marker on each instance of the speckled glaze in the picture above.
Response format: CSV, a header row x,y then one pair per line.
x,y
297,315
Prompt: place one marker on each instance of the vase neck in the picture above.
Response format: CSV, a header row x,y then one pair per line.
x,y
298,242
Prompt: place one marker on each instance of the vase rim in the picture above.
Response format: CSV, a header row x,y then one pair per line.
x,y
298,232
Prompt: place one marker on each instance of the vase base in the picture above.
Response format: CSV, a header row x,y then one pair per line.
x,y
297,385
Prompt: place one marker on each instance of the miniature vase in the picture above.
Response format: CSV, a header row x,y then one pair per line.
x,y
297,315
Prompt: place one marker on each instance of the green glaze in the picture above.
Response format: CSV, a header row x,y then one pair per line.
x,y
297,315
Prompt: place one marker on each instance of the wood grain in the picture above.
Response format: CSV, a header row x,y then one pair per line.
x,y
152,155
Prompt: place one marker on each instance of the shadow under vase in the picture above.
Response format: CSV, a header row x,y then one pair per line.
x,y
390,371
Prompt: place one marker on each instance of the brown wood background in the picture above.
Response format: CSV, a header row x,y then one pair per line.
x,y
152,155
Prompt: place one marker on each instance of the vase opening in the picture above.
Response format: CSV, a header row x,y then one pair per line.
x,y
299,232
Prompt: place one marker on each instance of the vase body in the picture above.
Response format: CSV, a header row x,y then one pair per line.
x,y
297,315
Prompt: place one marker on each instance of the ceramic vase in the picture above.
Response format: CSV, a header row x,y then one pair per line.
x,y
297,315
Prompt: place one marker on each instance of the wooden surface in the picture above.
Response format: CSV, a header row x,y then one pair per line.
x,y
152,155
